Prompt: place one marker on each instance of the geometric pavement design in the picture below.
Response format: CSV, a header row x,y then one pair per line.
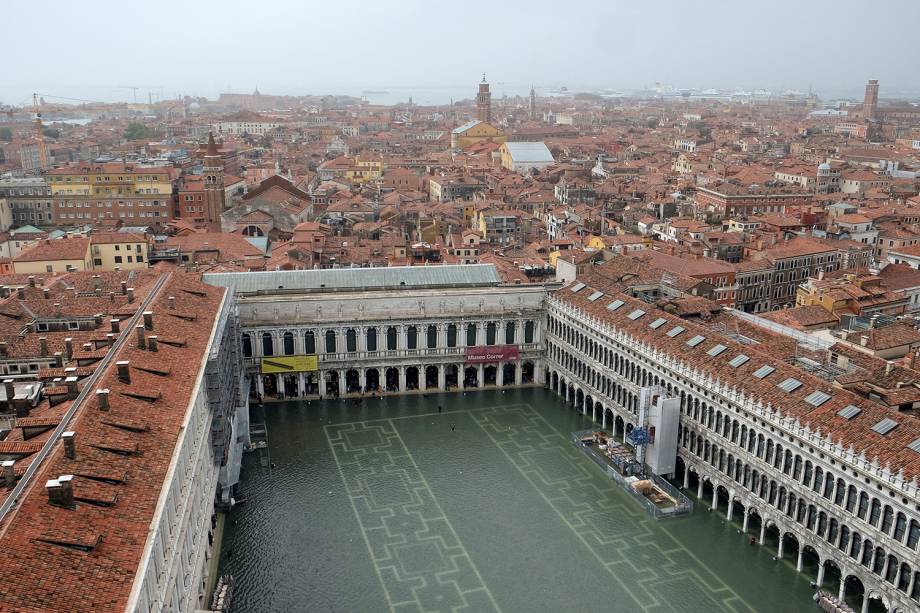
x,y
422,564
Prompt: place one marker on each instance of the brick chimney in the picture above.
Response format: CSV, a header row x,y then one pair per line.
x,y
46,293
141,338
60,491
115,322
31,280
73,390
172,303
43,346
10,389
130,294
152,342
70,445
148,320
58,358
102,397
124,371
124,287
68,348
21,293
9,474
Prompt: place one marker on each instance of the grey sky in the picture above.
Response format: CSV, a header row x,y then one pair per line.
x,y
91,48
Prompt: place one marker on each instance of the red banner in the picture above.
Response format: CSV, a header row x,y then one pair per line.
x,y
485,355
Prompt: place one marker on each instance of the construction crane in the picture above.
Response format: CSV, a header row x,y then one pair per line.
x,y
39,134
132,87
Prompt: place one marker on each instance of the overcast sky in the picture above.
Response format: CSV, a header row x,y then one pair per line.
x,y
95,49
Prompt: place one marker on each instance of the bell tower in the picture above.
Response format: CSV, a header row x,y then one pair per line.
x,y
215,197
484,101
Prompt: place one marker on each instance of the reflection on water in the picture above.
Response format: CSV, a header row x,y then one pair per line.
x,y
486,506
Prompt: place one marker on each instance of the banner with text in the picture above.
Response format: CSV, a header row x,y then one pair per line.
x,y
289,364
484,355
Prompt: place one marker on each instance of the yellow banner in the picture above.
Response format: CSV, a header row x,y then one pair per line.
x,y
289,363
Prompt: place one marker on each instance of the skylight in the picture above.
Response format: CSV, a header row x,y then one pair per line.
x,y
613,306
675,331
764,371
849,412
885,426
915,446
578,287
738,360
595,296
790,385
716,350
696,340
636,314
658,323
817,398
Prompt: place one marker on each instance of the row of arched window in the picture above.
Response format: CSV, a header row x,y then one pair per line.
x,y
416,337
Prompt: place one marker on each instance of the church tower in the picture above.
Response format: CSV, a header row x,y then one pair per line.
x,y
533,104
870,102
484,101
214,194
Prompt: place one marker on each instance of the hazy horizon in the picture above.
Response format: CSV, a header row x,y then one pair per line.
x,y
99,50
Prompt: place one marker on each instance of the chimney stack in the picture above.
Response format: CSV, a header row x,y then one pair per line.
x,y
148,320
58,359
21,293
97,282
130,294
9,474
4,291
115,325
60,491
141,339
152,343
46,293
102,396
70,445
57,309
888,366
172,303
43,346
73,389
31,280
3,348
124,371
10,389
68,348
110,339
124,287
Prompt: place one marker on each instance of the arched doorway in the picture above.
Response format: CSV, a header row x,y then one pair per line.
x,y
290,386
451,377
811,561
579,400
555,380
470,376
431,377
391,379
269,386
508,374
489,374
790,547
527,372
372,379
619,428
352,381
412,378
332,383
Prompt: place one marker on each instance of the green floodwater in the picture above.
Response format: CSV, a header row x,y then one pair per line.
x,y
388,505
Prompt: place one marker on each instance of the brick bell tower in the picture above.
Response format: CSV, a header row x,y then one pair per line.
x,y
484,101
215,197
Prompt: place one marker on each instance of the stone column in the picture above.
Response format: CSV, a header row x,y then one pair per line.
x,y
361,344
322,383
841,593
480,333
442,377
820,575
519,372
763,531
686,468
699,487
479,375
342,389
731,507
913,581
402,378
362,378
500,374
715,497
260,385
799,561
279,383
865,602
779,549
301,384
744,522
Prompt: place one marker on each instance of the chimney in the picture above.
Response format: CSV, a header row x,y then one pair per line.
x,y
124,371
57,309
9,475
68,348
110,339
3,348
98,292
172,303
914,359
124,287
70,445
46,293
102,396
21,293
112,296
72,389
130,294
141,339
31,280
4,291
148,320
60,491
152,342
864,340
58,359
115,325
888,366
97,282
43,346
10,389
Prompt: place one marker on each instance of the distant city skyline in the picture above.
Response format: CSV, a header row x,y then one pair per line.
x,y
298,48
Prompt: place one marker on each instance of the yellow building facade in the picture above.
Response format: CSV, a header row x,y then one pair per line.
x,y
474,132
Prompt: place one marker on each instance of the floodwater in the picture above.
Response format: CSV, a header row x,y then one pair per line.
x,y
485,506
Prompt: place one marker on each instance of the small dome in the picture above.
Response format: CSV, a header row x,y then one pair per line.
x,y
824,166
